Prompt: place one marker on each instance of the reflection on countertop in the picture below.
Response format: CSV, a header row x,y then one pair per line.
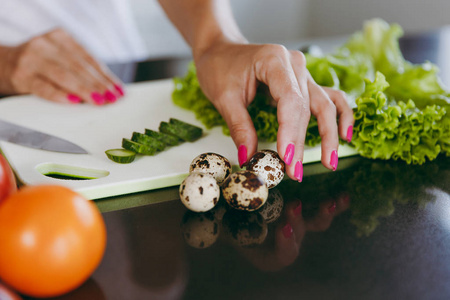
x,y
367,193
357,232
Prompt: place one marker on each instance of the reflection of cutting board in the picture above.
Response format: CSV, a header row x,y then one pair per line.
x,y
100,128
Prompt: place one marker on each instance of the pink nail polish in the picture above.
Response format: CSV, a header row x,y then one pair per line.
x,y
298,209
334,160
289,154
109,96
242,155
119,89
346,198
98,98
332,207
298,172
349,133
287,230
73,98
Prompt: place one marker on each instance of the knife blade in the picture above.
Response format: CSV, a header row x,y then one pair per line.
x,y
35,139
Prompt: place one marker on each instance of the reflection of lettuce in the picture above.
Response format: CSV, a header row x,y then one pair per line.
x,y
400,108
376,189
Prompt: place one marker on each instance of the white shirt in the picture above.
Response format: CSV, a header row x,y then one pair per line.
x,y
106,28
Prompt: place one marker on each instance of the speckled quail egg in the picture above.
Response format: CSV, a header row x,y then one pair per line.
x,y
268,165
199,192
245,190
211,163
244,229
200,230
273,207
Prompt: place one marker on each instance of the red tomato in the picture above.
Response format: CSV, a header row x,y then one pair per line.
x,y
51,240
7,180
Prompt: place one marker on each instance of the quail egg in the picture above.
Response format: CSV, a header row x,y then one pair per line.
x,y
200,230
199,192
244,229
268,165
245,190
211,163
273,207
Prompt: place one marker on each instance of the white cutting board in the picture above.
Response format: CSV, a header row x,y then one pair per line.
x,y
97,129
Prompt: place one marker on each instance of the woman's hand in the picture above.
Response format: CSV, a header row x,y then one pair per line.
x,y
55,67
229,74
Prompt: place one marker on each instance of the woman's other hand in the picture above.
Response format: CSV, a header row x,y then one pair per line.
x,y
55,67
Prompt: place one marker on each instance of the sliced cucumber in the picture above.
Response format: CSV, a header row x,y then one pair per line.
x,y
168,139
183,130
148,140
121,156
192,132
170,133
137,147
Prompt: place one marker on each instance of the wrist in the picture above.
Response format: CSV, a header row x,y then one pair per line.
x,y
215,41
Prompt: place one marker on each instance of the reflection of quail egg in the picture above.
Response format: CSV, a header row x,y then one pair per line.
x,y
200,230
245,190
211,163
199,192
244,229
219,210
273,207
268,165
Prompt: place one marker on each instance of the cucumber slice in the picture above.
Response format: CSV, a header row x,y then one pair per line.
x,y
137,147
148,140
181,129
168,139
121,156
190,132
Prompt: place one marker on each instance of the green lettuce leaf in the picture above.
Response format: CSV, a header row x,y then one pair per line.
x,y
419,83
378,44
398,130
188,94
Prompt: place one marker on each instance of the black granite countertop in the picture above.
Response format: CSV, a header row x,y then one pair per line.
x,y
371,230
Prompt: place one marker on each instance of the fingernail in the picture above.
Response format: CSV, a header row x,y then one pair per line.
x,y
298,209
349,133
73,98
287,230
290,149
332,207
346,198
242,155
298,172
109,96
334,160
119,89
98,98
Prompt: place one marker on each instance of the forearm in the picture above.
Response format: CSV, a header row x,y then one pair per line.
x,y
203,23
5,70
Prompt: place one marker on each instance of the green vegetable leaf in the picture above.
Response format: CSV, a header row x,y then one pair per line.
x,y
419,83
378,43
188,94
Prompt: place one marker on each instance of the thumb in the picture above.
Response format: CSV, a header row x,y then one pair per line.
x,y
241,127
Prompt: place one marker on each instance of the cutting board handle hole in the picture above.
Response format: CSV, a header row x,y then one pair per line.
x,y
67,172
